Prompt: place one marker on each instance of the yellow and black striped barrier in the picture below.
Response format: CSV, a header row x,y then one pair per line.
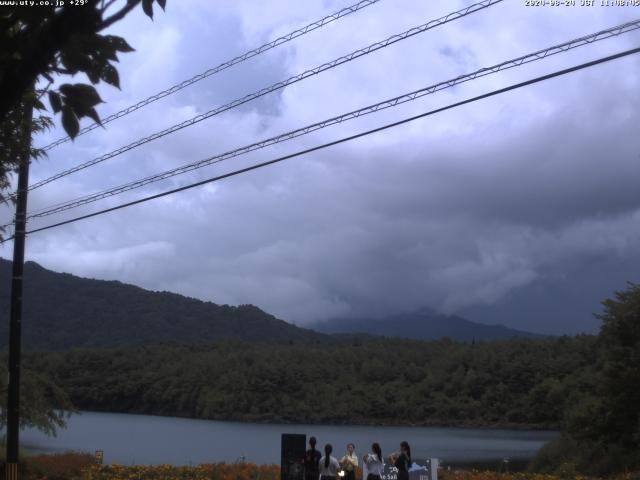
x,y
12,471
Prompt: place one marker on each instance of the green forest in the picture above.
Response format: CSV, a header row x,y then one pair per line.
x,y
585,386
523,383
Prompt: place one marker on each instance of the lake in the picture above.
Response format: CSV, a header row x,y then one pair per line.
x,y
142,439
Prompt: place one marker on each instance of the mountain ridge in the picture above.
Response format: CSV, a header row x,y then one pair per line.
x,y
423,324
63,311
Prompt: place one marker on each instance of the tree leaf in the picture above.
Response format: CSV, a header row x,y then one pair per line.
x,y
66,88
147,6
93,74
110,75
91,113
109,51
70,122
74,59
38,105
119,43
80,96
55,101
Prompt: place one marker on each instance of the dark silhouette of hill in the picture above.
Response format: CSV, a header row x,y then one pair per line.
x,y
63,311
424,324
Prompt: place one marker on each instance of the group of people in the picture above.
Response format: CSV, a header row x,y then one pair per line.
x,y
326,467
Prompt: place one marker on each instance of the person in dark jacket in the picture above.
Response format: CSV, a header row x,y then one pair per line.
x,y
311,459
402,461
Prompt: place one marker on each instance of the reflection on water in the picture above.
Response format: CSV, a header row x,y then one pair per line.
x,y
142,439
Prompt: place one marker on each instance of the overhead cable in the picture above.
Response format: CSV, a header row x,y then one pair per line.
x,y
343,140
276,86
392,102
223,66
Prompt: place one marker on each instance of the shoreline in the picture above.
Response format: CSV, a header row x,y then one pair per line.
x,y
388,424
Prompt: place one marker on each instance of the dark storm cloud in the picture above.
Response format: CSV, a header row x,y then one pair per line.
x,y
521,209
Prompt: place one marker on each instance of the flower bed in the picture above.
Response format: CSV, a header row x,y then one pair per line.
x,y
80,466
472,475
217,471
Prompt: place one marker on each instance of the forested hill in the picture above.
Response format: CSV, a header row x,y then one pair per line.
x,y
527,383
424,324
63,311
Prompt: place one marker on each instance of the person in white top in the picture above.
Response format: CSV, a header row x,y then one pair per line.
x,y
374,463
328,465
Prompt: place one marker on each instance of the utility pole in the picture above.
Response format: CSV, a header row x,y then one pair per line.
x,y
15,322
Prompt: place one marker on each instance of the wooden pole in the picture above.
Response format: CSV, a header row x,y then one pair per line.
x,y
15,322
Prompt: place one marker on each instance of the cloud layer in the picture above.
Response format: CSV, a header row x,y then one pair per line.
x,y
503,210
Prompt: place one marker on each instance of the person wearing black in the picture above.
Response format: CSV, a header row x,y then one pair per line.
x,y
311,459
402,461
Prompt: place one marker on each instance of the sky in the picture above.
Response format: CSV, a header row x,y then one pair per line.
x,y
522,209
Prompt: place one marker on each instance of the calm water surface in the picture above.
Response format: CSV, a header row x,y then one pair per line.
x,y
142,439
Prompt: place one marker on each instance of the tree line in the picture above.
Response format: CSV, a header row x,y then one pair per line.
x,y
522,383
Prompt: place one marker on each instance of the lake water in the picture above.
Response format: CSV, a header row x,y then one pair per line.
x,y
142,439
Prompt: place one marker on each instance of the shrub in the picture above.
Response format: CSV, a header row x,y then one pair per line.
x,y
587,458
64,466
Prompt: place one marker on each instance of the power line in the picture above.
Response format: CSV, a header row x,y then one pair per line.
x,y
223,66
277,86
404,98
346,139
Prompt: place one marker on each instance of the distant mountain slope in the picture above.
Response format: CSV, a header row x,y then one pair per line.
x,y
422,325
63,311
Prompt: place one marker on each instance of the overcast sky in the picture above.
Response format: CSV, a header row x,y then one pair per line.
x,y
523,209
